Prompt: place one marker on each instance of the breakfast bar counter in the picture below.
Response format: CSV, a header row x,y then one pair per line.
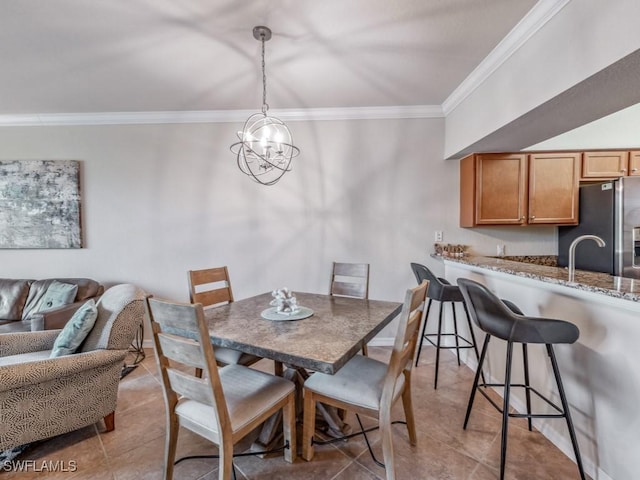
x,y
594,282
601,371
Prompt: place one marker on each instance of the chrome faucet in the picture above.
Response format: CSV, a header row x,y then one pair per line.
x,y
572,250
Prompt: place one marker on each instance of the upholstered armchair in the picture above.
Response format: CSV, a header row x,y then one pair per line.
x,y
41,397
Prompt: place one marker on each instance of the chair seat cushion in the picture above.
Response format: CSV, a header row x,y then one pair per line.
x,y
229,356
359,382
543,330
248,393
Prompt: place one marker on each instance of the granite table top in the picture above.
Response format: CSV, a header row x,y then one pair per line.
x,y
601,283
324,342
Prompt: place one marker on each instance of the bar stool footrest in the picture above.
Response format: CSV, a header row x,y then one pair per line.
x,y
482,386
460,337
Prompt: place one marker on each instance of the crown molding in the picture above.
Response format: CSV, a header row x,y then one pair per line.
x,y
534,20
362,113
219,116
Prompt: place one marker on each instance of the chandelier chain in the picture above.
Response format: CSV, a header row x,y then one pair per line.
x,y
265,105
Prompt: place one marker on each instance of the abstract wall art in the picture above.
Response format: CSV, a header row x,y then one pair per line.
x,y
40,204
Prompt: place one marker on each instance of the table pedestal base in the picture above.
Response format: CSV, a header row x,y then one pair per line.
x,y
329,421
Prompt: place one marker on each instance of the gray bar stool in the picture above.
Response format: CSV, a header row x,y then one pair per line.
x,y
442,291
502,319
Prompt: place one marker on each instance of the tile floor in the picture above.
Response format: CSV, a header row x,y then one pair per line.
x,y
134,450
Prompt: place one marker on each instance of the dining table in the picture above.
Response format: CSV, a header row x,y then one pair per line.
x,y
336,330
333,330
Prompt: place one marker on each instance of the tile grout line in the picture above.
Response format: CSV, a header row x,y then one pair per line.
x,y
352,461
104,452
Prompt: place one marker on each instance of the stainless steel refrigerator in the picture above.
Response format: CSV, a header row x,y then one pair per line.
x,y
610,210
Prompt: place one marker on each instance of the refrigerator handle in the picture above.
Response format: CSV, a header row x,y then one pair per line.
x,y
636,247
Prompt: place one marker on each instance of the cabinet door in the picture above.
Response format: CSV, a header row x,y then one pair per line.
x,y
501,189
553,188
604,165
634,163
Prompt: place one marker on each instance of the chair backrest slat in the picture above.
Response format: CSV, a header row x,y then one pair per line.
x,y
350,280
351,269
190,386
173,316
182,350
209,275
212,297
215,286
357,290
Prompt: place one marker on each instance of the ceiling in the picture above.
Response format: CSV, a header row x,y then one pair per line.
x,y
78,56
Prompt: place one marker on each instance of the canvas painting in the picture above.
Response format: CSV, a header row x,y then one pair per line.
x,y
40,204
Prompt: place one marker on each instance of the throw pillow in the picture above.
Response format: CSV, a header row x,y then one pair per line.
x,y
57,295
76,330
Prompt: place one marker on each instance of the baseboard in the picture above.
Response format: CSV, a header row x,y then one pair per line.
x,y
603,476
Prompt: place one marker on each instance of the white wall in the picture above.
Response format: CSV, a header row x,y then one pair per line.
x,y
158,200
585,37
618,130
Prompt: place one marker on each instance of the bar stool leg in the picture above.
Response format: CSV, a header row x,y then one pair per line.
x,y
475,380
424,328
565,407
455,331
435,382
473,337
505,410
525,360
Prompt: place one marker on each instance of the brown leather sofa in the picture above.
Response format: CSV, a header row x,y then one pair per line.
x,y
22,309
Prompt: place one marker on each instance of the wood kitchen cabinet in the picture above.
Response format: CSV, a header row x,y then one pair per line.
x,y
493,189
604,164
519,189
634,163
554,180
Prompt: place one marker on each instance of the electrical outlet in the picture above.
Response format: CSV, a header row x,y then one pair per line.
x,y
438,236
500,250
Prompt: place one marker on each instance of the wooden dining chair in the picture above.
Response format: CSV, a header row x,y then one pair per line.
x,y
211,287
350,280
371,387
224,406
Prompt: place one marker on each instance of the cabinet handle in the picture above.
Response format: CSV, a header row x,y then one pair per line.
x,y
532,217
634,169
623,170
522,218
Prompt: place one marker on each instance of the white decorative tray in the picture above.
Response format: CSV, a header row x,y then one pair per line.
x,y
272,314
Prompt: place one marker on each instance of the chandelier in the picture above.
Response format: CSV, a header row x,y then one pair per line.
x,y
265,147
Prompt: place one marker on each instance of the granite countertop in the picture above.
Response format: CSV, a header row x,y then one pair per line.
x,y
602,283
